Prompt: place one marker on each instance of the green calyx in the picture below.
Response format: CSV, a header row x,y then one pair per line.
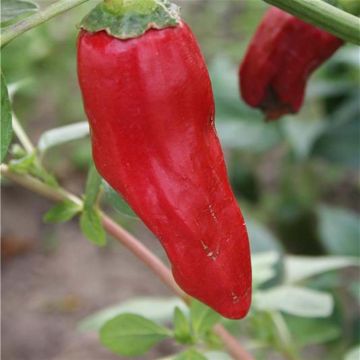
x,y
126,19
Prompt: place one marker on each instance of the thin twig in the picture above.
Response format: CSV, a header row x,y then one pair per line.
x,y
143,253
35,185
21,135
232,344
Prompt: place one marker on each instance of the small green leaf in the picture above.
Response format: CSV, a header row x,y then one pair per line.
x,y
62,135
264,267
6,124
29,164
91,227
131,335
298,268
202,318
62,212
182,330
156,309
38,171
11,9
93,186
294,300
190,354
24,164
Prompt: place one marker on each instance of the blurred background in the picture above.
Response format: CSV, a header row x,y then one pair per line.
x,y
296,179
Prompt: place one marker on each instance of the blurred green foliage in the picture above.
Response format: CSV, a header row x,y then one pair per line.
x,y
296,179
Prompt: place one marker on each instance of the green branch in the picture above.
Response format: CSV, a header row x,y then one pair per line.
x,y
11,32
319,13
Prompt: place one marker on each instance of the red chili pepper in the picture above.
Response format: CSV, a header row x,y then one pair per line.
x,y
281,56
151,110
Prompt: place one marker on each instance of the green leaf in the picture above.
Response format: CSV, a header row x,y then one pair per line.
x,y
38,171
11,9
353,354
264,267
91,226
29,164
190,354
6,124
62,212
202,318
339,230
156,309
23,165
92,188
62,135
298,268
131,335
295,301
182,329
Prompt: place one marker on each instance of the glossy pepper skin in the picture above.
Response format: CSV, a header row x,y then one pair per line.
x,y
150,105
282,54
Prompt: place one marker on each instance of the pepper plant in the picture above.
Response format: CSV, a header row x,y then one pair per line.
x,y
281,283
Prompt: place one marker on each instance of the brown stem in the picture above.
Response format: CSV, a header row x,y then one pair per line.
x,y
133,244
143,253
231,343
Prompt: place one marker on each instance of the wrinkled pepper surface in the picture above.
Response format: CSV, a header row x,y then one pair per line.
x,y
150,105
282,54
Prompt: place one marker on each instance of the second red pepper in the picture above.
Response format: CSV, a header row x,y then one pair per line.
x,y
282,54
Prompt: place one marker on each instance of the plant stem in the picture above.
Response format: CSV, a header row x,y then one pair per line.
x,y
143,253
21,135
35,185
129,241
319,13
11,32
